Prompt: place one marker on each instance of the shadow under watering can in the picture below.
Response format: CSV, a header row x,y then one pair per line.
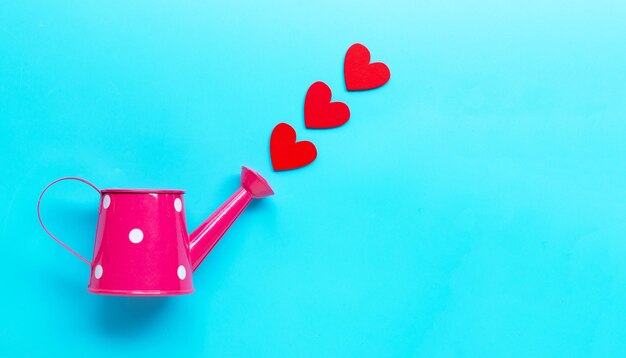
x,y
142,247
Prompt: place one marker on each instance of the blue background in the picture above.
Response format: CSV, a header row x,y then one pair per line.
x,y
473,206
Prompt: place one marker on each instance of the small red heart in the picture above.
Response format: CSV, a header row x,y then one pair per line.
x,y
320,112
359,73
286,152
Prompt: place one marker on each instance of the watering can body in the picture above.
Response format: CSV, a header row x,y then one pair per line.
x,y
142,247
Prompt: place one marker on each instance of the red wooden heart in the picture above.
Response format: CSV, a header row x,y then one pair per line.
x,y
320,112
286,152
359,73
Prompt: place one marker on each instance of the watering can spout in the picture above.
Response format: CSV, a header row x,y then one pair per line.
x,y
206,236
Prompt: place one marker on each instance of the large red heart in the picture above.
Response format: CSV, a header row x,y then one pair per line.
x,y
286,152
359,73
320,112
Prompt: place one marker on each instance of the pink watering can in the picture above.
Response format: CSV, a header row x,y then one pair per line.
x,y
142,246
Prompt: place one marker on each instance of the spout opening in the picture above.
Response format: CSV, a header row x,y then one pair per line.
x,y
255,184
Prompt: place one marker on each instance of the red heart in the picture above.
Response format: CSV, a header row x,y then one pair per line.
x,y
359,73
320,112
286,152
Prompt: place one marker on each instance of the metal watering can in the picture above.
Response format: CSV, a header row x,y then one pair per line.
x,y
142,247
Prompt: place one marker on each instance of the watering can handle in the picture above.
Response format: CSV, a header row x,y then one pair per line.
x,y
44,226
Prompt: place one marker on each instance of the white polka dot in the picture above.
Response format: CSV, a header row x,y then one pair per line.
x,y
178,205
182,272
135,236
97,272
106,201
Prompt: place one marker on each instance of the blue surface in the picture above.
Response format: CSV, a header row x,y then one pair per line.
x,y
474,206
